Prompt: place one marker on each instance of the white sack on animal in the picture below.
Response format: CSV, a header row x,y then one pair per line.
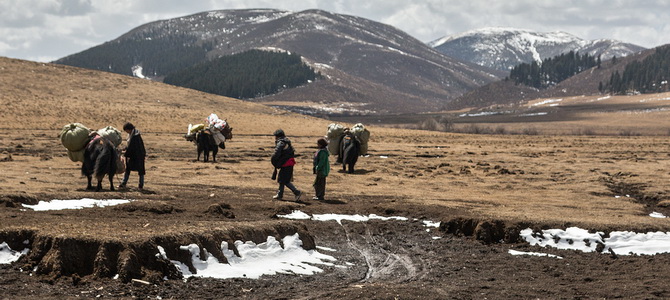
x,y
74,136
112,134
334,134
363,136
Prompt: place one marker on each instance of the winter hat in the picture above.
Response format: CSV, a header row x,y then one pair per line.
x,y
279,133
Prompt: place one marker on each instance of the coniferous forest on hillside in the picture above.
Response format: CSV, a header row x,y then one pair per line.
x,y
552,70
246,75
647,76
156,56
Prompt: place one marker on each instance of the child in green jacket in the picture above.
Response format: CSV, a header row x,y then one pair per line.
x,y
321,169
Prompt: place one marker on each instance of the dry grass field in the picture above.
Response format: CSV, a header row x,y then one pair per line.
x,y
604,183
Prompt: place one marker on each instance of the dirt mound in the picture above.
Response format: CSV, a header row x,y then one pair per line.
x,y
221,209
15,200
156,207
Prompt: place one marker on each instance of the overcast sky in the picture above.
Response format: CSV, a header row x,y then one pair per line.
x,y
45,30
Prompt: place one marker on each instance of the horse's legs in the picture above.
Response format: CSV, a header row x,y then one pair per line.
x,y
99,187
89,178
111,182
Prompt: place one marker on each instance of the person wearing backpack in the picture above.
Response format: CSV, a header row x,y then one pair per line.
x,y
321,169
283,160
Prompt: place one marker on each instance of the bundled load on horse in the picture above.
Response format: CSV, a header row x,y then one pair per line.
x,y
111,133
74,137
334,135
209,136
348,144
336,132
363,135
96,150
220,129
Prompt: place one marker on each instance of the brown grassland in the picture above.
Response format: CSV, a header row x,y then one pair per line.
x,y
483,189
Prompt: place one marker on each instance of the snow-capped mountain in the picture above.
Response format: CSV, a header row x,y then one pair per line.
x,y
364,62
504,48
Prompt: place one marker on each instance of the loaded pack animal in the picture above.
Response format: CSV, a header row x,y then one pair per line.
x,y
350,149
100,159
205,143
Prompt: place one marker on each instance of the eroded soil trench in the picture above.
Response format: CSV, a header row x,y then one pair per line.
x,y
377,259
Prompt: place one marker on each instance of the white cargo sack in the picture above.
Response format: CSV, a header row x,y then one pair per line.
x,y
363,136
334,135
112,134
74,136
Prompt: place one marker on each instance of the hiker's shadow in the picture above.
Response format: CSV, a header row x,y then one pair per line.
x,y
332,201
357,172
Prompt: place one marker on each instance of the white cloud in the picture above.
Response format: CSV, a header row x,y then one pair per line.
x,y
56,28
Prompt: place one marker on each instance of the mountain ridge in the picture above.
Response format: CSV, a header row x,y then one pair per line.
x,y
504,47
405,75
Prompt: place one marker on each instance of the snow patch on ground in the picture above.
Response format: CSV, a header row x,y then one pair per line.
x,y
255,260
137,71
657,215
74,204
516,253
8,256
534,114
549,101
299,215
619,242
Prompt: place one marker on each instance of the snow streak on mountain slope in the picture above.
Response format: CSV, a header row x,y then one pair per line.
x,y
504,48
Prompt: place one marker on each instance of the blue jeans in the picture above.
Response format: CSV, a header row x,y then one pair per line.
x,y
280,192
126,175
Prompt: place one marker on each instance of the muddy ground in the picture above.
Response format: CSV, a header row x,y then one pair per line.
x,y
482,188
187,201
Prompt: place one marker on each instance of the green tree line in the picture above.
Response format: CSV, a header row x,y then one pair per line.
x,y
245,75
647,76
157,56
552,70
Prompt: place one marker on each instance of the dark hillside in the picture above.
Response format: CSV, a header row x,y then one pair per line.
x,y
249,74
584,83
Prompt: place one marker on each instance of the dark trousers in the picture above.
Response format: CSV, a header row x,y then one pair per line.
x,y
320,187
290,186
127,175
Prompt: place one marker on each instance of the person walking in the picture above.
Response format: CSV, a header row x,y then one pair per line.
x,y
135,154
283,160
321,169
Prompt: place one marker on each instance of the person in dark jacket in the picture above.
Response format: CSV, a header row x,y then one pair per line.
x,y
134,153
350,149
283,160
321,169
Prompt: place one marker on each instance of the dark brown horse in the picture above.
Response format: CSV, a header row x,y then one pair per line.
x,y
350,149
100,158
205,143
